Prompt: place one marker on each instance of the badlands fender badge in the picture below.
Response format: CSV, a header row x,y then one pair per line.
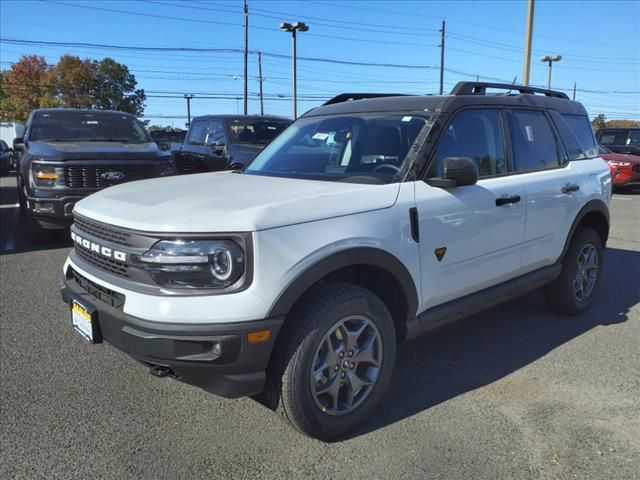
x,y
440,253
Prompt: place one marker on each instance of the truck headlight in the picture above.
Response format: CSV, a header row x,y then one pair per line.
x,y
617,163
194,263
45,175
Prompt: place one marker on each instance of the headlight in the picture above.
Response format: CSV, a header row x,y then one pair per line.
x,y
616,163
194,263
45,175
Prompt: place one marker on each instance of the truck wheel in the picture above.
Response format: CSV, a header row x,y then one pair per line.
x,y
575,288
336,366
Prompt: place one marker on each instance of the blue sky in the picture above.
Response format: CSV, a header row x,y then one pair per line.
x,y
599,41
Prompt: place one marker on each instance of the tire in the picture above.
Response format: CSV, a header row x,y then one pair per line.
x,y
571,293
326,315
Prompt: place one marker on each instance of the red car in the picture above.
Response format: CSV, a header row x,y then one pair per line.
x,y
625,169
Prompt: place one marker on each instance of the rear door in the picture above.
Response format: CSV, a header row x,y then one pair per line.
x,y
470,237
552,186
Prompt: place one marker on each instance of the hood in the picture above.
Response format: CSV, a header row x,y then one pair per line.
x,y
95,150
243,153
230,202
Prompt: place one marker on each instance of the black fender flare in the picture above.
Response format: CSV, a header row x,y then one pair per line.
x,y
591,206
366,256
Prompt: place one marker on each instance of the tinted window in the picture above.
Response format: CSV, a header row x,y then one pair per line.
x,y
534,145
476,134
255,131
359,148
611,138
216,133
634,138
86,126
571,143
581,127
197,133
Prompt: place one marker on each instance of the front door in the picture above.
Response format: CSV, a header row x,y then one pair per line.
x,y
470,237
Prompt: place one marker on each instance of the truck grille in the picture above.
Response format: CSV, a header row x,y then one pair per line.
x,y
106,295
90,176
108,264
101,231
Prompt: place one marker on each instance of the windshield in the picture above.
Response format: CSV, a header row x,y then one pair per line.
x,y
356,148
259,132
173,136
87,126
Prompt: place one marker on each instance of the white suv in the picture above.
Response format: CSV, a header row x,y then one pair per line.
x,y
367,222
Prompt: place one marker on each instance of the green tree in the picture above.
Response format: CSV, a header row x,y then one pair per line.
x,y
115,88
73,81
599,122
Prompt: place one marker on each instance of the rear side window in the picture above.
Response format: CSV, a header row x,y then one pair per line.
x,y
581,127
611,138
476,134
534,145
197,133
634,138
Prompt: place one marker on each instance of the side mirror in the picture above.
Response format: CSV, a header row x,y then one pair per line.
x,y
18,144
217,147
456,172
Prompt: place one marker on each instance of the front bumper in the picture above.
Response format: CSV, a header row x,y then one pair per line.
x,y
53,212
216,357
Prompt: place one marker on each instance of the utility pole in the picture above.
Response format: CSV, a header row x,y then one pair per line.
x,y
527,43
294,28
442,31
246,56
260,81
574,91
188,96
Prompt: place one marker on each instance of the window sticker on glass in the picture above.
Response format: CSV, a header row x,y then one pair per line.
x,y
529,131
320,136
406,119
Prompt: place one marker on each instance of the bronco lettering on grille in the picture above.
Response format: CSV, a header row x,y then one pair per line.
x,y
99,249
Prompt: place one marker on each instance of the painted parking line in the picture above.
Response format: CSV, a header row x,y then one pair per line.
x,y
10,243
621,198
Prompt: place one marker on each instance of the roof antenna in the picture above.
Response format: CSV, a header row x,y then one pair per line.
x,y
512,83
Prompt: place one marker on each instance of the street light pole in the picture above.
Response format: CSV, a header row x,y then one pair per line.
x,y
188,97
294,28
550,59
246,55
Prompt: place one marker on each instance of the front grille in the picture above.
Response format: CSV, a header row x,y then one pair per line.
x,y
104,232
90,176
106,295
110,265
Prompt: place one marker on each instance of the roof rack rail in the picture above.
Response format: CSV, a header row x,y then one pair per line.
x,y
480,88
346,97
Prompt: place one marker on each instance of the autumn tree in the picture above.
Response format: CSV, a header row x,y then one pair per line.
x,y
24,86
115,88
73,80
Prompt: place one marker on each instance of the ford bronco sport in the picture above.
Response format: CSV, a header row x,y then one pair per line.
x,y
365,223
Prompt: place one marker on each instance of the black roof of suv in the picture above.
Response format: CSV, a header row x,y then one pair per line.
x,y
463,94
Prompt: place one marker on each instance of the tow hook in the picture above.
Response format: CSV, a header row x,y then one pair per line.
x,y
161,372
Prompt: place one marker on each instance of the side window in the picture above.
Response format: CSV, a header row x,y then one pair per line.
x,y
197,133
611,138
534,145
634,138
570,141
476,134
216,133
581,127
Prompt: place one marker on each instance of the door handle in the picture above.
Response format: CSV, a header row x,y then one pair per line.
x,y
570,188
507,200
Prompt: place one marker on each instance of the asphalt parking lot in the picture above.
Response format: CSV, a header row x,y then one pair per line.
x,y
513,393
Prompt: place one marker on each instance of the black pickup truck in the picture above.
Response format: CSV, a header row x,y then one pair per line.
x,y
620,140
68,154
225,142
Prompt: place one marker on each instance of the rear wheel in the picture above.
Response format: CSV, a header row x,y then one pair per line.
x,y
575,288
337,364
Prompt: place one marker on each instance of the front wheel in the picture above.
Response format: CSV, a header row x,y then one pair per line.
x,y
575,288
337,362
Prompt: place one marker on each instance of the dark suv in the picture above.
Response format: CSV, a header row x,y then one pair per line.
x,y
224,142
69,154
620,140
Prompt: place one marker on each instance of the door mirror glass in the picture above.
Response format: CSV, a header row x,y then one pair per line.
x,y
456,172
18,144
